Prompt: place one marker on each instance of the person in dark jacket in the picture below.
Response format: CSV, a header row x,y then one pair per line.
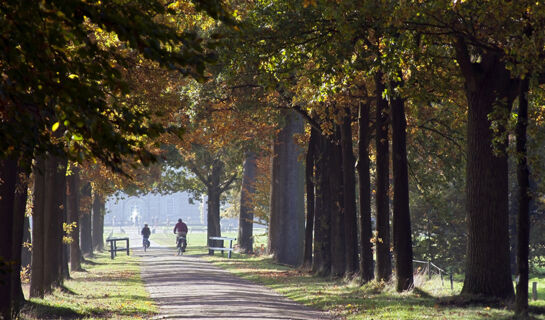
x,y
180,229
146,232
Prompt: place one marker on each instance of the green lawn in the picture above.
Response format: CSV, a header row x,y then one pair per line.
x,y
107,289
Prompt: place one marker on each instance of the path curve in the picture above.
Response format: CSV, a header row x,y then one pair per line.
x,y
189,287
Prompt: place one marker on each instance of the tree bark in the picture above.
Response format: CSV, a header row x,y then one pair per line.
x,y
321,264
72,207
214,193
309,186
403,248
37,288
86,237
54,206
363,167
349,193
246,217
8,180
488,86
523,221
384,262
287,221
97,216
337,236
214,227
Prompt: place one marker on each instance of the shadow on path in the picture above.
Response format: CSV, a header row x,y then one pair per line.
x,y
188,287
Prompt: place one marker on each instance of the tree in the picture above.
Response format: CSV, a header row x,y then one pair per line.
x,y
310,161
286,225
246,218
8,175
98,220
384,263
72,208
349,193
523,220
85,226
403,249
366,250
47,233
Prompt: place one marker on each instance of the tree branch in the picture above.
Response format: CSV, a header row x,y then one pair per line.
x,y
228,183
197,172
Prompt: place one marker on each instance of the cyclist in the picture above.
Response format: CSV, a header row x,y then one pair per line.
x,y
145,234
180,229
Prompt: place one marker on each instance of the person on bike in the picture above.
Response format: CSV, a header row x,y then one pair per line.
x,y
180,229
145,234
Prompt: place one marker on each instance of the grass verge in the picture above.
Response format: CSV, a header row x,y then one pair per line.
x,y
347,299
107,289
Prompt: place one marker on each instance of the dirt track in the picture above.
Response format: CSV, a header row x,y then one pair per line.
x,y
189,287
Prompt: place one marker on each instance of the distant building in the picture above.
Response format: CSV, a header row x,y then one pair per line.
x,y
153,209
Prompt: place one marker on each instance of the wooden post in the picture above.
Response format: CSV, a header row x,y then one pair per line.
x,y
534,290
429,270
127,246
230,247
451,283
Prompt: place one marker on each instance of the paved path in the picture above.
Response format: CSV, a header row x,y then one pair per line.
x,y
188,287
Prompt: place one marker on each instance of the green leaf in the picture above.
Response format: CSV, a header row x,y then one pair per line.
x,y
55,126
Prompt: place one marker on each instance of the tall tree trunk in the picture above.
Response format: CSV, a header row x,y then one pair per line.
x,y
214,193
100,232
403,248
384,262
321,263
65,246
214,227
19,208
349,192
37,288
72,208
366,250
98,237
338,252
55,191
8,180
488,86
86,237
246,217
287,221
523,221
309,186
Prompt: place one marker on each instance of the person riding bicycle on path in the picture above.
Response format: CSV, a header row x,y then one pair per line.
x,y
180,229
146,232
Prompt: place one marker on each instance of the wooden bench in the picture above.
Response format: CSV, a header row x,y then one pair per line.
x,y
222,249
113,246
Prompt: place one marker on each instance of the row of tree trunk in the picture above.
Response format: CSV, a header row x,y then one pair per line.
x,y
331,232
51,212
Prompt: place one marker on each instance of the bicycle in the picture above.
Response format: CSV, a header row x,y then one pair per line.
x,y
145,243
181,244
